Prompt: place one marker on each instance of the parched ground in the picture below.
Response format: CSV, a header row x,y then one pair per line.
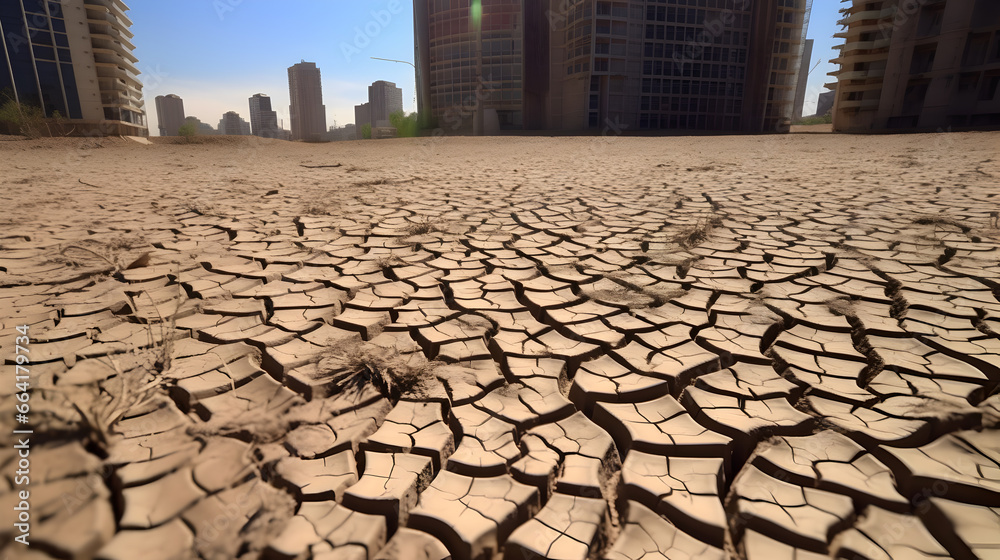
x,y
618,348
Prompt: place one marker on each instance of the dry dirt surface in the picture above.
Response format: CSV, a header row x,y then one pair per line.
x,y
619,348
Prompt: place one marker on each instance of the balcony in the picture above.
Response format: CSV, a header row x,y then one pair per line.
x,y
863,46
111,57
102,14
858,75
103,30
104,42
113,71
868,15
116,7
863,104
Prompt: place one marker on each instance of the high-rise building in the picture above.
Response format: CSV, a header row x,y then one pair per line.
x,y
384,99
263,121
611,65
169,114
307,112
803,80
362,116
73,59
232,124
927,65
824,103
467,61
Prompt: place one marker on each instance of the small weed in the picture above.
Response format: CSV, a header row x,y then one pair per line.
x,y
386,264
697,234
317,209
352,366
110,258
374,182
941,221
203,209
422,227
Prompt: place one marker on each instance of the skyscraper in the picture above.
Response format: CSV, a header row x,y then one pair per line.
x,y
611,65
462,66
73,58
169,114
263,121
362,116
803,80
384,99
307,112
233,125
918,66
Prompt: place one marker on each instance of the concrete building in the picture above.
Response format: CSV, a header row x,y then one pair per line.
x,y
73,59
928,65
384,99
232,124
610,65
824,104
463,67
263,121
802,80
307,112
362,116
169,114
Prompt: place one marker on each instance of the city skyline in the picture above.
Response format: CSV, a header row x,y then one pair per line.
x,y
234,64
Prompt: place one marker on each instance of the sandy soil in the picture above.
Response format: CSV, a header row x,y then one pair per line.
x,y
622,348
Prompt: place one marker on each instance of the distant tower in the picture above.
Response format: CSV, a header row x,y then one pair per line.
x,y
263,121
169,114
233,125
307,112
385,99
362,116
803,80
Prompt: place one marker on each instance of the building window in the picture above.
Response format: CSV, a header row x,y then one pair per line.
x,y
930,20
975,49
923,58
913,97
989,89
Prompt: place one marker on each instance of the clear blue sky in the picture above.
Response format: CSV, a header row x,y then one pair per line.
x,y
215,54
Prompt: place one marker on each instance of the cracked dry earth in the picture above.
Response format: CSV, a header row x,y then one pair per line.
x,y
628,349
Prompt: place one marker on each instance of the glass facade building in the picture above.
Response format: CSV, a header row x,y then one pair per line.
x,y
38,67
713,65
88,77
471,55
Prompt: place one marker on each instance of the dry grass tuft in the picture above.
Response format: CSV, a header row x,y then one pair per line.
x,y
422,227
351,366
374,182
941,221
108,258
698,233
317,209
